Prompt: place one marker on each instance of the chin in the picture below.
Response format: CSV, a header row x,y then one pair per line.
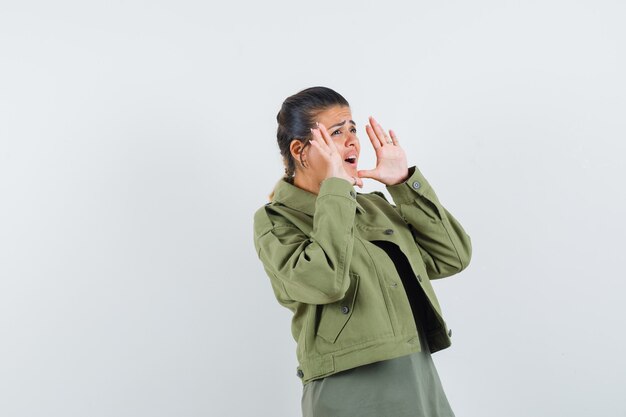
x,y
351,169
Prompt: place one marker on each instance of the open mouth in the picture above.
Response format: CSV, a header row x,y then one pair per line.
x,y
351,160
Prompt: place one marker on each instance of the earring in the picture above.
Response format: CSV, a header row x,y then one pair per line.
x,y
302,161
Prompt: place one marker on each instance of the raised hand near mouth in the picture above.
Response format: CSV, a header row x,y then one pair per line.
x,y
391,165
334,162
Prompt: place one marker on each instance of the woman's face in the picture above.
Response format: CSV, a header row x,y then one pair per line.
x,y
342,130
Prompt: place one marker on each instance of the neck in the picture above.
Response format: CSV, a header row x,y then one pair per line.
x,y
306,183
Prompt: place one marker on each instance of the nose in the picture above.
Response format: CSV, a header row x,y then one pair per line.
x,y
351,139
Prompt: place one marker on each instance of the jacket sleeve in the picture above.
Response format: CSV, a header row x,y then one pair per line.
x,y
446,248
315,269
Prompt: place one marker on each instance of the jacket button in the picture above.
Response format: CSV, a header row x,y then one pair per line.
x,y
388,232
345,309
352,193
450,333
416,185
419,278
300,373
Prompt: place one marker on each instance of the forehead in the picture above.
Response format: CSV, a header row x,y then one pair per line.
x,y
334,114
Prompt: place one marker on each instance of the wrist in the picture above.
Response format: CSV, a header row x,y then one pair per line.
x,y
401,179
343,175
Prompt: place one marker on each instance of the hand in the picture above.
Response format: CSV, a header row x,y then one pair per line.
x,y
333,162
391,166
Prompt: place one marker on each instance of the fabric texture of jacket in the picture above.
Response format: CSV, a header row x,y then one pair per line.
x,y
348,303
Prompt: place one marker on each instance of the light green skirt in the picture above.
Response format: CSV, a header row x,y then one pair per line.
x,y
407,386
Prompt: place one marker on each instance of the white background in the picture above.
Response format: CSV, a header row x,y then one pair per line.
x,y
138,138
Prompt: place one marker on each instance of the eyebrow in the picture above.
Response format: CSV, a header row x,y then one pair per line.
x,y
342,123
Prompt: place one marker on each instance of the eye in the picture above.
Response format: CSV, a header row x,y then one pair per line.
x,y
336,131
353,129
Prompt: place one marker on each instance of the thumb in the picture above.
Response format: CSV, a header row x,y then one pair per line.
x,y
367,173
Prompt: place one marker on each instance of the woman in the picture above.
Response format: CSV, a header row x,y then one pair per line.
x,y
353,268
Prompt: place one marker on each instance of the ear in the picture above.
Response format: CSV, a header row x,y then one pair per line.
x,y
296,147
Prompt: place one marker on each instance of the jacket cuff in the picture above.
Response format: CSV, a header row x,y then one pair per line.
x,y
338,187
405,192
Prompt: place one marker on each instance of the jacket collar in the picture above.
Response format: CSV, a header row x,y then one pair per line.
x,y
299,199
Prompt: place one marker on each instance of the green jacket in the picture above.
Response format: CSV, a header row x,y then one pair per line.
x,y
348,303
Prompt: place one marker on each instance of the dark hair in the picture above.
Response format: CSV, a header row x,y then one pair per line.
x,y
296,118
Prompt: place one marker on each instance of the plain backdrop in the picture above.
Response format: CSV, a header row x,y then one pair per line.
x,y
137,139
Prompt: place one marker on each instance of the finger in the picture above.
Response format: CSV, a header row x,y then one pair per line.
x,y
379,131
373,125
324,133
320,141
359,182
315,143
368,173
323,151
394,138
373,138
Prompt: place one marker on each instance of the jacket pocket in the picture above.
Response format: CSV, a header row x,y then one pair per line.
x,y
335,316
